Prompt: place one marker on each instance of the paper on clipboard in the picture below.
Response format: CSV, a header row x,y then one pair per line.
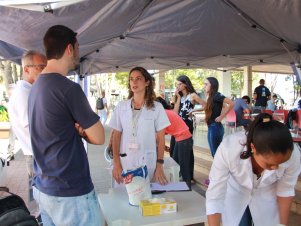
x,y
172,186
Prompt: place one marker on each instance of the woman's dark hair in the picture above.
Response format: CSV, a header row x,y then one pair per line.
x,y
150,95
164,103
185,80
267,136
213,90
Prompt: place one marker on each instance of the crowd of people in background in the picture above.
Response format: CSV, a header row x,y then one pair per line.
x,y
257,161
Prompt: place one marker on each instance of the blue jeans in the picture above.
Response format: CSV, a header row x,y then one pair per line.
x,y
69,211
246,219
182,155
215,136
29,166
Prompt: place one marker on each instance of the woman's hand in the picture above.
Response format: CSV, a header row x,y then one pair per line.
x,y
159,175
177,93
117,171
219,119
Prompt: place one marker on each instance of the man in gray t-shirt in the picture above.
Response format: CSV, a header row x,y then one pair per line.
x,y
241,107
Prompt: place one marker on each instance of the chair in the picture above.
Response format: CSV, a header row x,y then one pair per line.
x,y
280,115
268,111
231,119
298,119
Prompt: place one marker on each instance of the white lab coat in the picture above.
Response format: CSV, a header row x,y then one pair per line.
x,y
232,189
18,113
150,122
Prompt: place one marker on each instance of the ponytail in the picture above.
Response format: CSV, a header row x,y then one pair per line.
x,y
267,135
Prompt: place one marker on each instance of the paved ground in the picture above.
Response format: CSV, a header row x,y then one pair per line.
x,y
17,174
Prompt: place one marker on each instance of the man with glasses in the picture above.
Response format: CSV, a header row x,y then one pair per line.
x,y
32,65
59,117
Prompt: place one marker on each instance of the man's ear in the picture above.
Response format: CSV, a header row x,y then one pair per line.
x,y
26,69
69,49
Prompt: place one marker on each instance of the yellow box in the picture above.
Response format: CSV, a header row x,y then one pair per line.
x,y
157,206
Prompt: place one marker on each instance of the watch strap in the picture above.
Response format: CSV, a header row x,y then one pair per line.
x,y
161,161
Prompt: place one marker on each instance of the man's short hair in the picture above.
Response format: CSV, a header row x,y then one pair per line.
x,y
261,81
246,98
27,57
56,40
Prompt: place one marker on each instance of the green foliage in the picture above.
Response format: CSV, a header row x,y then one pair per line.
x,y
197,77
3,114
237,82
122,79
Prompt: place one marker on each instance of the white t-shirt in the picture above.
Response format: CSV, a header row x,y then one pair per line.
x,y
149,123
18,114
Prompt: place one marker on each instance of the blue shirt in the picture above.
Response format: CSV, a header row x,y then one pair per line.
x,y
61,165
271,105
239,106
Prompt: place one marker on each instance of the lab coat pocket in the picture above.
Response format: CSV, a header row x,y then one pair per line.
x,y
148,121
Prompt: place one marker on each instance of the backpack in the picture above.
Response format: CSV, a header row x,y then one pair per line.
x,y
13,212
99,104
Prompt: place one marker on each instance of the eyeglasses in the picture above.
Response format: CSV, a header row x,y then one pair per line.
x,y
138,79
40,66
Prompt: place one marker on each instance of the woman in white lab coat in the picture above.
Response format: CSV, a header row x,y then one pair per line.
x,y
136,124
253,176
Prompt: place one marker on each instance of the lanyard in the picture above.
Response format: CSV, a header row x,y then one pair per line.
x,y
135,117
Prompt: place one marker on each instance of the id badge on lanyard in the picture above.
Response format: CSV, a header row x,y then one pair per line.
x,y
133,144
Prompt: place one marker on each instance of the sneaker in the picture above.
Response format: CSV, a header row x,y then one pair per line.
x,y
206,182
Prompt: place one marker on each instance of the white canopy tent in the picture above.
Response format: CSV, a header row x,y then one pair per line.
x,y
116,35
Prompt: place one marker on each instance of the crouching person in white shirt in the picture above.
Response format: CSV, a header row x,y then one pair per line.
x,y
253,176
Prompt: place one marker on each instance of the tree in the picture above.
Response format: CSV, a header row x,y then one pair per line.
x,y
122,79
237,83
197,77
296,85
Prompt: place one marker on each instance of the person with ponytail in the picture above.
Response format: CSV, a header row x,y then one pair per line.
x,y
253,176
216,109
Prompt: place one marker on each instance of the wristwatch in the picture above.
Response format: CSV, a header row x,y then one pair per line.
x,y
161,161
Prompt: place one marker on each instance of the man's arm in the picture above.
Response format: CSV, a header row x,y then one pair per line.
x,y
246,111
94,134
